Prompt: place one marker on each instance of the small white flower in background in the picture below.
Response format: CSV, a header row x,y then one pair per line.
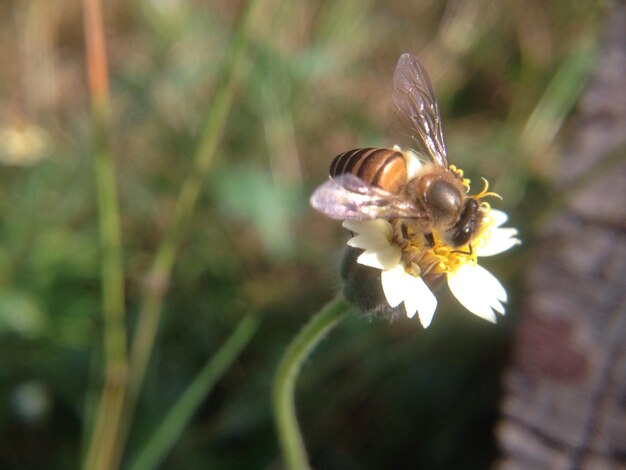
x,y
22,144
474,287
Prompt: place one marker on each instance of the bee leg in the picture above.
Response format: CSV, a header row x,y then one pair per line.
x,y
429,268
400,233
469,252
430,239
416,260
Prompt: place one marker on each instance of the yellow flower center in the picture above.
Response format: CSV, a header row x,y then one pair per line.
x,y
438,257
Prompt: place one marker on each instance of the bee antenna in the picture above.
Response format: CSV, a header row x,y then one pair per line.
x,y
485,192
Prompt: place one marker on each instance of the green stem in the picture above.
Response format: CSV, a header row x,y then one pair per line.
x,y
159,275
283,399
101,450
172,426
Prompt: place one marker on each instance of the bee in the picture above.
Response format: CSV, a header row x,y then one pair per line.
x,y
382,183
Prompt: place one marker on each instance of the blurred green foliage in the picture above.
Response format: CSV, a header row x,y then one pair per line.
x,y
318,81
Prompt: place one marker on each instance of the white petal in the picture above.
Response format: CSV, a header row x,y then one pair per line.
x,y
392,281
507,232
498,307
378,226
419,297
386,258
355,226
478,290
499,217
352,225
369,241
501,239
489,283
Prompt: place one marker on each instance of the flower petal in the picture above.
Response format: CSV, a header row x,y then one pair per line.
x,y
501,239
498,307
490,283
386,258
393,285
478,290
419,297
499,217
369,241
378,226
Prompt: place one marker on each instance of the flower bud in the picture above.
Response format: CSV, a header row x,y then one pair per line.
x,y
362,287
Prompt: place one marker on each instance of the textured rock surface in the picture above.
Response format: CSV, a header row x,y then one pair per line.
x,y
565,401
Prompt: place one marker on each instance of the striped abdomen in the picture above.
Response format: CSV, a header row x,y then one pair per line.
x,y
383,168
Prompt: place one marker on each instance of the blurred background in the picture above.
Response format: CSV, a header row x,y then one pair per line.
x,y
316,81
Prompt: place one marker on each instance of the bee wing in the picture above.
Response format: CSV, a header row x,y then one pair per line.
x,y
415,104
347,197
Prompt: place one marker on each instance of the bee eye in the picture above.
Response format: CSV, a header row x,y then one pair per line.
x,y
444,199
463,235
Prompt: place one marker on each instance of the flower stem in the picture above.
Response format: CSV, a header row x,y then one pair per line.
x,y
160,272
177,418
283,399
101,448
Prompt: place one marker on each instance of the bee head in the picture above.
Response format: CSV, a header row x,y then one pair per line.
x,y
441,194
465,228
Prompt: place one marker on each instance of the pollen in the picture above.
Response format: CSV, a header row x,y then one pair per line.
x,y
422,256
459,174
439,258
484,234
451,259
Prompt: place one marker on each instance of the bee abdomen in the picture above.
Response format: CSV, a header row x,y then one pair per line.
x,y
383,168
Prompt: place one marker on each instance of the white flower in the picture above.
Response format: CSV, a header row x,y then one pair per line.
x,y
22,144
474,287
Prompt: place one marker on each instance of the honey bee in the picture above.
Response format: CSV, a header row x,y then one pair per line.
x,y
381,183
